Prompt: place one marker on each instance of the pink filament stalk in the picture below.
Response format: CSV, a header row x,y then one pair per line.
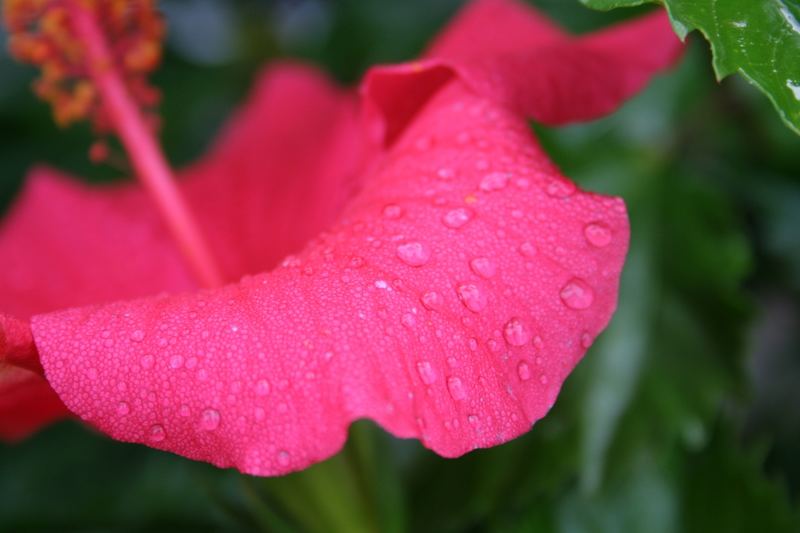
x,y
146,156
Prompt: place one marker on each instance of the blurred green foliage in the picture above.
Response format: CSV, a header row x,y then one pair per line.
x,y
684,415
759,39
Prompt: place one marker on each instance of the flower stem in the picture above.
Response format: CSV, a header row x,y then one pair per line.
x,y
146,156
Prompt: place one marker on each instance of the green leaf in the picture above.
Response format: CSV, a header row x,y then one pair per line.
x,y
758,38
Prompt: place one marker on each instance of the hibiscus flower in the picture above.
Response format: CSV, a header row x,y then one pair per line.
x,y
405,253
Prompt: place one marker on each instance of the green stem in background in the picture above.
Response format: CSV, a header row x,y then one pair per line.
x,y
355,491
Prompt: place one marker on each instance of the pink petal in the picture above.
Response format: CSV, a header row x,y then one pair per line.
x,y
282,167
382,316
26,399
508,52
26,403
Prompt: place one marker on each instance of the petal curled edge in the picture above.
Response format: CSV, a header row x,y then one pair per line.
x,y
506,51
448,302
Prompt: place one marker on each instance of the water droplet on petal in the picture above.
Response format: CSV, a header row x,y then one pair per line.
x,y
560,188
123,408
147,361
456,218
392,211
527,249
283,458
426,372
472,297
184,410
523,371
516,332
456,388
408,320
209,419
576,294
137,335
176,361
598,234
445,173
483,266
157,433
494,181
586,340
432,300
413,253
262,387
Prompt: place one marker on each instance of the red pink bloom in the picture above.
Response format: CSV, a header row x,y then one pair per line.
x,y
406,254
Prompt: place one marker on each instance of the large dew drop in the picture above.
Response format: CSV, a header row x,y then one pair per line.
x,y
523,371
392,211
456,388
472,297
597,234
516,332
413,254
209,419
157,433
426,372
456,218
577,294
494,182
484,267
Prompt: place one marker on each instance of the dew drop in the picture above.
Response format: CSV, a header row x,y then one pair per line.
x,y
184,410
432,300
494,181
538,343
523,371
176,361
456,388
516,332
283,458
456,218
123,408
262,387
413,254
209,419
598,234
527,249
137,335
445,173
560,188
586,340
157,433
426,372
147,361
576,294
472,297
543,379
472,419
408,320
392,211
484,267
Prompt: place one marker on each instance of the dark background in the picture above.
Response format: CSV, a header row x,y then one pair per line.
x,y
684,416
